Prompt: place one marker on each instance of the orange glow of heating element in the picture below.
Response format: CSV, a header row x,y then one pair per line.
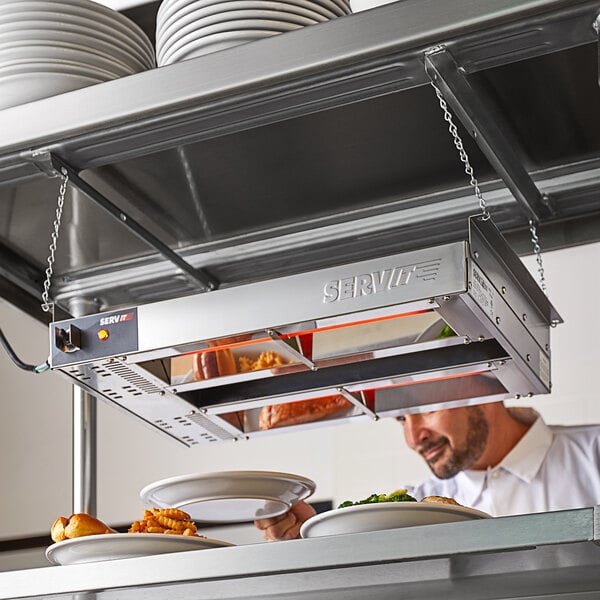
x,y
102,335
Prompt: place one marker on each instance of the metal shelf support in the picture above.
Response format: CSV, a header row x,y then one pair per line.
x,y
470,108
52,165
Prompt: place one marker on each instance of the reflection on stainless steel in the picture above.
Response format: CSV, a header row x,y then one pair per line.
x,y
82,235
457,390
194,195
403,330
84,428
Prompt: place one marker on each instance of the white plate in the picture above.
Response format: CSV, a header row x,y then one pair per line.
x,y
230,496
195,23
343,5
329,9
220,41
297,7
169,12
63,54
261,16
177,45
82,40
34,85
92,11
82,61
214,7
386,515
115,546
72,25
60,68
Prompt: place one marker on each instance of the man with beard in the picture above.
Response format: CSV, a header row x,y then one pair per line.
x,y
500,460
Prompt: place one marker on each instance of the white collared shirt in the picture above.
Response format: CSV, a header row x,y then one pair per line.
x,y
551,468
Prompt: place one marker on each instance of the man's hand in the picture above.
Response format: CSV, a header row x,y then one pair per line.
x,y
287,526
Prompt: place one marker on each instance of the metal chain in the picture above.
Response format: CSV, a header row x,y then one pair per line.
x,y
46,306
538,254
462,152
469,171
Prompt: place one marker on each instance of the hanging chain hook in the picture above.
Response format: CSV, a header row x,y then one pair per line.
x,y
462,152
538,254
46,304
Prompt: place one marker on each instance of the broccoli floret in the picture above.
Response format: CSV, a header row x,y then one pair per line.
x,y
396,496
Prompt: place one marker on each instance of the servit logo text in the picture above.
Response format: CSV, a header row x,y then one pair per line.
x,y
114,319
376,282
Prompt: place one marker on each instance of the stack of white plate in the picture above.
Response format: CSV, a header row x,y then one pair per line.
x,y
49,47
189,28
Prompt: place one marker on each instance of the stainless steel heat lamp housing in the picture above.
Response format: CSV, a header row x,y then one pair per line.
x,y
461,323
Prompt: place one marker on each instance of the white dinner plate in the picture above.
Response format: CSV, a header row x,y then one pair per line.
x,y
41,52
71,25
47,66
80,40
30,86
179,45
195,23
169,12
84,64
386,515
329,9
229,496
343,5
220,41
164,29
91,11
115,546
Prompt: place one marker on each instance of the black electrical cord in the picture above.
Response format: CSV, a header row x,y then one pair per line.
x,y
11,353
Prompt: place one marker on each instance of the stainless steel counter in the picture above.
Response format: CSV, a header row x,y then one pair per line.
x,y
549,555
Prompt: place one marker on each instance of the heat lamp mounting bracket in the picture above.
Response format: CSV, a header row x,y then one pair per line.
x,y
53,166
481,121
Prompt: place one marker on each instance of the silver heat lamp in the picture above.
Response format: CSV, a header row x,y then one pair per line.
x,y
461,323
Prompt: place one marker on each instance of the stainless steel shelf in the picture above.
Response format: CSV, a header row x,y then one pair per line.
x,y
345,60
549,555
325,132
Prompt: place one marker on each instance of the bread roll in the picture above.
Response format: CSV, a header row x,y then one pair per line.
x,y
57,531
77,525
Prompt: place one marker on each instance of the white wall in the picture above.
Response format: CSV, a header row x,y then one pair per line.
x,y
348,461
35,425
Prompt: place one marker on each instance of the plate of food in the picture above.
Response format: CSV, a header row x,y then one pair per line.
x,y
230,496
84,539
115,546
388,511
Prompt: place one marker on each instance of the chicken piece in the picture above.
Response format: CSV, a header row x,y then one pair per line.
x,y
441,500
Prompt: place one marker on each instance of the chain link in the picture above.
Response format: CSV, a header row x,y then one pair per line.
x,y
469,171
46,306
462,152
538,254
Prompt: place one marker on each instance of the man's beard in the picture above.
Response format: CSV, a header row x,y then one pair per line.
x,y
465,458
